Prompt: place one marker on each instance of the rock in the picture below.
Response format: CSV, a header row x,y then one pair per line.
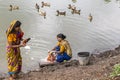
x,y
53,66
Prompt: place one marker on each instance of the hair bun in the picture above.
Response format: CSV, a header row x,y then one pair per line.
x,y
61,36
64,37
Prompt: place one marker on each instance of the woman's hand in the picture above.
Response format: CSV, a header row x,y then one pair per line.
x,y
22,45
57,52
24,41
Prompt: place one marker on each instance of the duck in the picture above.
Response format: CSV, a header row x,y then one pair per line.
x,y
13,8
37,7
71,6
75,11
90,17
61,13
45,4
42,13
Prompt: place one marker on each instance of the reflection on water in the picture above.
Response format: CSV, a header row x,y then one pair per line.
x,y
101,34
107,1
74,1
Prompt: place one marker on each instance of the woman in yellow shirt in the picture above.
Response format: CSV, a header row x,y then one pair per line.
x,y
14,38
62,49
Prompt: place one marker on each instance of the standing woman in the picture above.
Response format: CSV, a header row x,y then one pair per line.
x,y
14,38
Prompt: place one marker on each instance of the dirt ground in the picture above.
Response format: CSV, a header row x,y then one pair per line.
x,y
99,68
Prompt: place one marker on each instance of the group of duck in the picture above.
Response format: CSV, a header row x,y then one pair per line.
x,y
40,11
71,7
45,4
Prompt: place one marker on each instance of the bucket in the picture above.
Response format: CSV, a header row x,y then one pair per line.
x,y
83,58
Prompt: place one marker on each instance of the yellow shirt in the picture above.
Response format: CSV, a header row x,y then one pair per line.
x,y
62,48
65,47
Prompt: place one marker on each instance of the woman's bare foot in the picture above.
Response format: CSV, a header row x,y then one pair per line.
x,y
11,78
14,76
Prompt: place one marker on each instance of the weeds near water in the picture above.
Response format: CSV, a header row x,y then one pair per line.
x,y
116,71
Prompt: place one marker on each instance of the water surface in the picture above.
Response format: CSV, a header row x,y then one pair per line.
x,y
102,34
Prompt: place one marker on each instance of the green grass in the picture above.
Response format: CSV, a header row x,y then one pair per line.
x,y
116,71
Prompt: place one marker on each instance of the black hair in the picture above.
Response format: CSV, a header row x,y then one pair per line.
x,y
61,36
17,24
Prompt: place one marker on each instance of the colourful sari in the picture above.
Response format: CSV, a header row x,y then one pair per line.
x,y
13,54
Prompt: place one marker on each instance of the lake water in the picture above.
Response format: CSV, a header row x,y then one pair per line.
x,y
102,33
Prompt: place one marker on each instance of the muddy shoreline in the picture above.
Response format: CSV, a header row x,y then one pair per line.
x,y
99,68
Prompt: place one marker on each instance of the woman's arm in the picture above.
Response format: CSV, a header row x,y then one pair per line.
x,y
62,49
54,48
16,46
58,44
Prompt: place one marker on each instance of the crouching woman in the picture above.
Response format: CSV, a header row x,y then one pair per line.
x,y
62,49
